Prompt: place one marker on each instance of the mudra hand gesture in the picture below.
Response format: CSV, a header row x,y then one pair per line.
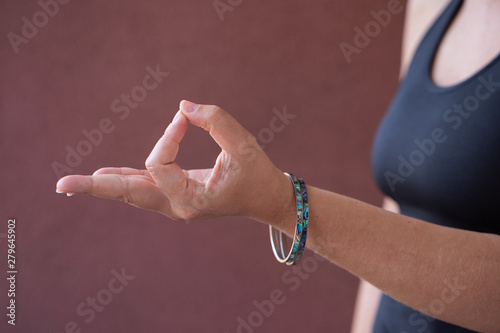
x,y
233,187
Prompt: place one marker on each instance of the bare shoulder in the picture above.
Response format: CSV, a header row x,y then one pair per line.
x,y
420,14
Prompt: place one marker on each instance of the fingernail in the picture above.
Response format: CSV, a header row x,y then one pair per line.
x,y
70,194
189,106
57,191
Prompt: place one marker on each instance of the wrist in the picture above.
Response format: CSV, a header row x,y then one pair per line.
x,y
278,207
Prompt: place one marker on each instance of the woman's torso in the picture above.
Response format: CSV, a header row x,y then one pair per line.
x,y
437,152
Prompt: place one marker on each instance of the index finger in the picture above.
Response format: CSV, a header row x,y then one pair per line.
x,y
135,190
229,134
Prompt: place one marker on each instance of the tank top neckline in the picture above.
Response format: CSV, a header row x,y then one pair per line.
x,y
448,16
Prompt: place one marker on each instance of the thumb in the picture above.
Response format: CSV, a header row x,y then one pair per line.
x,y
224,129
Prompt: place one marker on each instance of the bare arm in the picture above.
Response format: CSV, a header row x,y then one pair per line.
x,y
447,273
368,298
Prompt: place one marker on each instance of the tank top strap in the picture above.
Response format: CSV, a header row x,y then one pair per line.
x,y
421,63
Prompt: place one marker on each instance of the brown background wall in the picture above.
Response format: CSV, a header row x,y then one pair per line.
x,y
202,276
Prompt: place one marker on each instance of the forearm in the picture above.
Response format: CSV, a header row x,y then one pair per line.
x,y
368,298
412,261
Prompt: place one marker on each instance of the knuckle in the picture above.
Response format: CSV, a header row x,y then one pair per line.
x,y
217,111
216,114
151,164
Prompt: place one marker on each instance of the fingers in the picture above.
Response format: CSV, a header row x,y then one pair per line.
x,y
125,172
134,190
160,163
72,184
226,131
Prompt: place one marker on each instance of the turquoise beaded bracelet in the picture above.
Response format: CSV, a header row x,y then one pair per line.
x,y
300,236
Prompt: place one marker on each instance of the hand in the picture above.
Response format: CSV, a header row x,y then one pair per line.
x,y
243,181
